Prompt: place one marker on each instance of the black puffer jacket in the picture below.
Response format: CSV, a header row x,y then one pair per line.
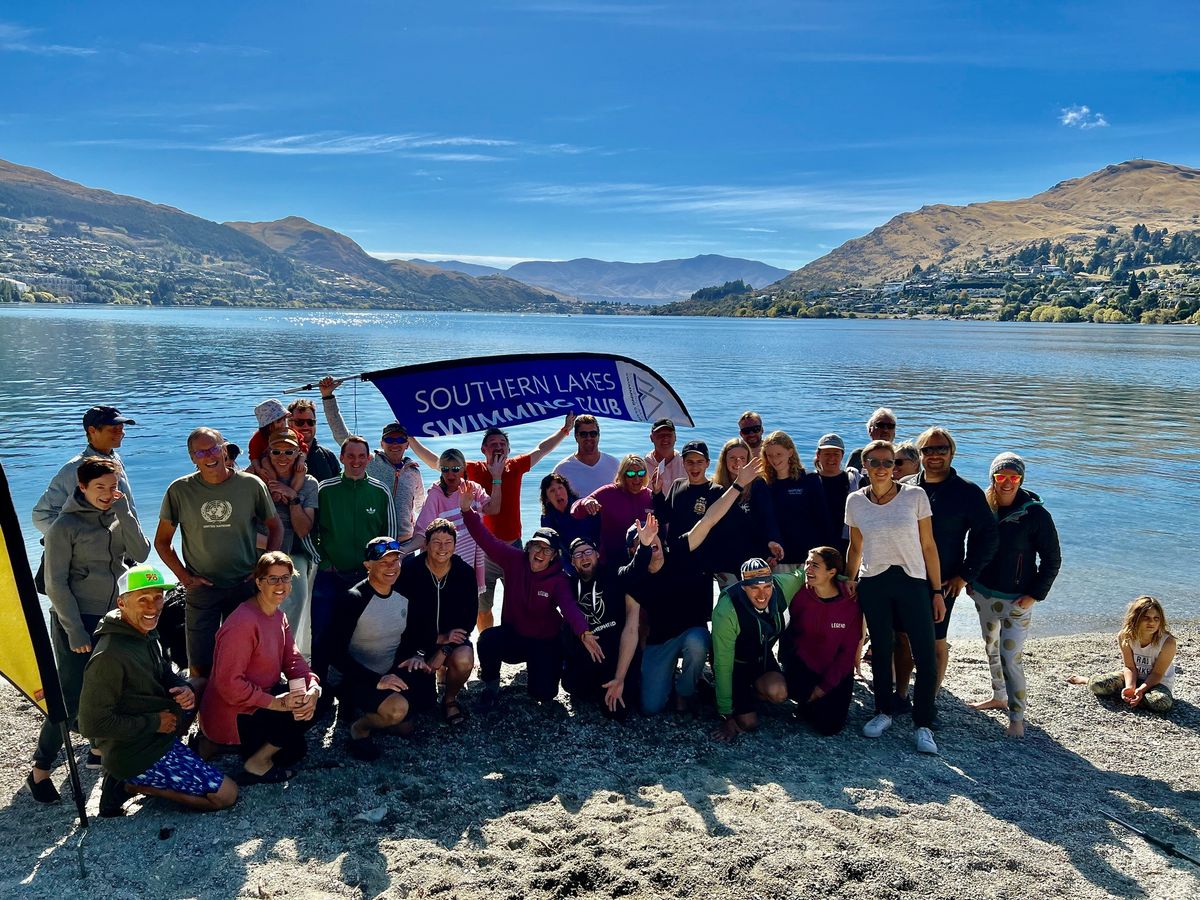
x,y
1028,558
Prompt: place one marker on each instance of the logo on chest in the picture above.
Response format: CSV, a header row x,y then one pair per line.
x,y
215,512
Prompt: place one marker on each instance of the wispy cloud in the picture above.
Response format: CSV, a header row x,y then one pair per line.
x,y
1082,117
499,262
19,39
203,48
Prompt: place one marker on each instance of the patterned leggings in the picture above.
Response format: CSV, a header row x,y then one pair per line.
x,y
1158,699
1005,626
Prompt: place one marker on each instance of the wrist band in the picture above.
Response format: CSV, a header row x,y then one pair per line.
x,y
737,487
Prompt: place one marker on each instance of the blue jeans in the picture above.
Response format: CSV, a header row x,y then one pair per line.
x,y
658,668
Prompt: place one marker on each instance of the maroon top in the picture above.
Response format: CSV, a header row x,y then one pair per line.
x,y
824,634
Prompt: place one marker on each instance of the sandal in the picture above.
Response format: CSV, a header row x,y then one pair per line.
x,y
452,713
273,775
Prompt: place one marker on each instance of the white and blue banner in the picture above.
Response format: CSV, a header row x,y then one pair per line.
x,y
459,396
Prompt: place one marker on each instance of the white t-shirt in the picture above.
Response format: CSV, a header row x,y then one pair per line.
x,y
1145,656
584,478
890,535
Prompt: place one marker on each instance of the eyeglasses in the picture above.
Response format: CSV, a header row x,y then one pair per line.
x,y
304,423
392,439
588,434
583,553
275,452
635,473
1002,478
377,551
751,429
277,579
446,469
875,462
206,453
935,450
885,426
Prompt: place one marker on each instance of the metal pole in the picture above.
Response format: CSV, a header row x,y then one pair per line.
x,y
76,787
338,382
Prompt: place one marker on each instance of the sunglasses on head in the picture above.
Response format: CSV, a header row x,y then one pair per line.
x,y
935,450
751,429
396,439
876,463
275,452
588,434
1006,478
635,473
446,469
378,551
304,423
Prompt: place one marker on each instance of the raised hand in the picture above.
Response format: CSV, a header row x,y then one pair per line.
x,y
647,531
749,472
328,385
466,496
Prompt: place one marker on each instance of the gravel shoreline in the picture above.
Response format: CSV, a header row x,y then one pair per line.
x,y
553,802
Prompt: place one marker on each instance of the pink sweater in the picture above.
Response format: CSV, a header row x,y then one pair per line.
x,y
253,650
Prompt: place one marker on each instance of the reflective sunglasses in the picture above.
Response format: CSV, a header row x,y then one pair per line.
x,y
588,434
635,473
275,452
394,439
277,579
875,463
446,469
304,423
935,450
205,454
751,429
378,551
1003,478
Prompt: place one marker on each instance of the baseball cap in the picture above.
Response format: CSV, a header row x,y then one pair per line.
x,y
582,542
141,577
284,437
695,447
661,424
394,428
547,536
378,548
755,571
99,416
829,441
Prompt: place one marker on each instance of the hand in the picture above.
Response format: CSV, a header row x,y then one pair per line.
x,y
391,682
1026,601
728,731
288,702
954,587
939,607
308,704
167,722
85,648
328,385
614,693
456,636
852,586
568,423
591,505
466,496
497,462
647,531
593,646
190,580
184,696
284,491
776,550
817,694
301,466
749,472
416,664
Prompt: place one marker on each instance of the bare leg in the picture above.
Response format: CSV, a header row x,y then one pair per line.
x,y
1016,728
941,649
771,687
458,669
262,760
989,704
484,621
391,712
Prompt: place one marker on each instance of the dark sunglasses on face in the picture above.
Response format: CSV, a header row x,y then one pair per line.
x,y
635,473
935,450
396,439
378,551
885,426
275,452
446,469
304,423
751,429
875,463
588,434
1003,478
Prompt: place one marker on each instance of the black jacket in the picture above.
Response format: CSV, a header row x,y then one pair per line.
x,y
420,633
791,512
322,462
1028,557
454,606
960,513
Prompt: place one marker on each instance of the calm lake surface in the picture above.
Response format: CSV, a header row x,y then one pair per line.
x,y
1106,416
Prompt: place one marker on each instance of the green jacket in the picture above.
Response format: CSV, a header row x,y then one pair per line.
x,y
738,635
349,513
125,685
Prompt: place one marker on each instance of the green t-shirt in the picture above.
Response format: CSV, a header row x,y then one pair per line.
x,y
218,522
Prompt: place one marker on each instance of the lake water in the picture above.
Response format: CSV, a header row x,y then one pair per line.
x,y
1106,416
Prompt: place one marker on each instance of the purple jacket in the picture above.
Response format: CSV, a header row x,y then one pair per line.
x,y
619,510
530,598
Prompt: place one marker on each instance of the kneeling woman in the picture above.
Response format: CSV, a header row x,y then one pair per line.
x,y
537,598
819,645
746,624
245,702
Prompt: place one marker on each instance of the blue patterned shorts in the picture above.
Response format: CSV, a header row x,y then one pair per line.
x,y
182,771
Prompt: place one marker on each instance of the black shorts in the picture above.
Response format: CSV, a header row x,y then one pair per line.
x,y
745,695
363,694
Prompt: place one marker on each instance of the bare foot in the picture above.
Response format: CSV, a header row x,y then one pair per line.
x,y
1076,679
989,704
1016,729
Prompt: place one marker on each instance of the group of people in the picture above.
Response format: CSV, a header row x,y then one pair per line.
x,y
314,577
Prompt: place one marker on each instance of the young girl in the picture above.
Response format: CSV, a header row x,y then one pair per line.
x,y
1148,656
273,419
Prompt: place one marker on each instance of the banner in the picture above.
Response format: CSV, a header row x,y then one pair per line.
x,y
26,658
459,396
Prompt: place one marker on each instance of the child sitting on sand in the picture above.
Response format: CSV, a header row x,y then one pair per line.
x,y
1148,655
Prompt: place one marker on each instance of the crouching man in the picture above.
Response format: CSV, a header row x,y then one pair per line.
x,y
132,705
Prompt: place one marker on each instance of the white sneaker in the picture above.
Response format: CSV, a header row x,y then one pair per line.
x,y
878,726
924,740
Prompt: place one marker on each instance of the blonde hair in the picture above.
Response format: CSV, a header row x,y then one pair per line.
x,y
627,462
1133,620
795,467
722,477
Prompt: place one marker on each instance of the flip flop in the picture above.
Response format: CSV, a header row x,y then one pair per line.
x,y
273,775
453,714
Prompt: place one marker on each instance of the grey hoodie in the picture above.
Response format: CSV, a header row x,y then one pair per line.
x,y
85,555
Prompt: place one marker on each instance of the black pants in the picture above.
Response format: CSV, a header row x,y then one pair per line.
x,y
279,729
584,679
826,715
894,596
70,676
543,658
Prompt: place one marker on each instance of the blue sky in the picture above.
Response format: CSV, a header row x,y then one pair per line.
x,y
552,129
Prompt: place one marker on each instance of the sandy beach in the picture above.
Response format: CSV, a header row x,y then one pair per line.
x,y
554,802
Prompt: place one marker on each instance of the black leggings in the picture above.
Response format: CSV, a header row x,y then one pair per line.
x,y
279,729
543,658
895,596
826,715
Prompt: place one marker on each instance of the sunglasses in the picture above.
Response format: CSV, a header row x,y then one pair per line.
x,y
588,434
751,429
393,439
277,579
935,450
876,463
275,452
635,473
1001,478
304,423
886,426
378,551
205,454
446,469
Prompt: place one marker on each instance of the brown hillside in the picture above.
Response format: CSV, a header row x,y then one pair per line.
x,y
1156,194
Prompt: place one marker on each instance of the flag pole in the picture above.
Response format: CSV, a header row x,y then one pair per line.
x,y
73,768
337,382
